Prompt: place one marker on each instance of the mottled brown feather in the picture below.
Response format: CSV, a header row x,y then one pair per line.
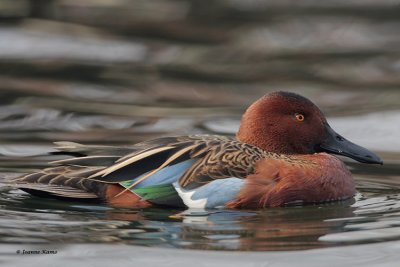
x,y
218,157
221,158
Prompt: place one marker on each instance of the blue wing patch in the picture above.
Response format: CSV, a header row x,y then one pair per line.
x,y
158,187
167,175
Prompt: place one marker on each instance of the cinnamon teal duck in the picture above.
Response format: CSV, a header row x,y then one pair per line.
x,y
279,157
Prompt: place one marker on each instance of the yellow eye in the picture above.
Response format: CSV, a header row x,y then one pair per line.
x,y
300,117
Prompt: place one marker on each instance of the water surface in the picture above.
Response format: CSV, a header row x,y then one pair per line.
x,y
119,73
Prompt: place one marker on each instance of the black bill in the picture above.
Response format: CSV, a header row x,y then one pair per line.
x,y
336,144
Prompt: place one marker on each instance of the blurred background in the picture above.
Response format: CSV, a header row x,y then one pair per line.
x,y
120,71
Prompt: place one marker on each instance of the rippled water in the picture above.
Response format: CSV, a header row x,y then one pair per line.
x,y
116,73
373,216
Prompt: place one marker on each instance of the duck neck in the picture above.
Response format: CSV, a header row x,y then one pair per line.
x,y
258,137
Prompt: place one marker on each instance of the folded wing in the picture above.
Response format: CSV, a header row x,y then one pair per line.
x,y
150,169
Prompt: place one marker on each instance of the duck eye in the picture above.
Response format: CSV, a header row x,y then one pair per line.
x,y
300,117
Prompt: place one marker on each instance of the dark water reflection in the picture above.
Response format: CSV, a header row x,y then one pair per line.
x,y
372,217
119,73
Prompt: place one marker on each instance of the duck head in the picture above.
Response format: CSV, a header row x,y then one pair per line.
x,y
288,123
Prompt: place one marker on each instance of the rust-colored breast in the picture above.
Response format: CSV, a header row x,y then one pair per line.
x,y
302,178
